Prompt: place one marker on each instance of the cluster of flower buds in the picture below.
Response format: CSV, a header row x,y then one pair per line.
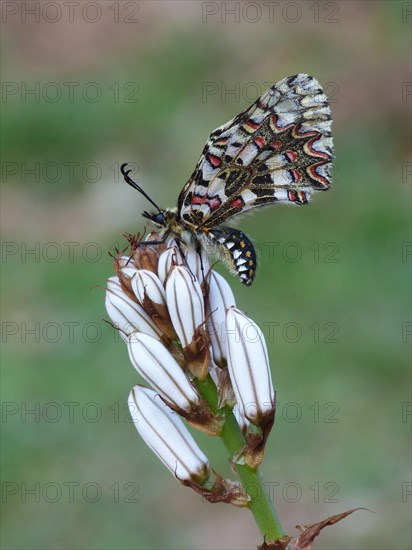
x,y
182,329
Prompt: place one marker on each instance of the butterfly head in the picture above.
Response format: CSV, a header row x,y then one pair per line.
x,y
157,218
163,220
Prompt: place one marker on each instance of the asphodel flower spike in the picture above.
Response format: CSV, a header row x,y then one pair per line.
x,y
178,313
167,436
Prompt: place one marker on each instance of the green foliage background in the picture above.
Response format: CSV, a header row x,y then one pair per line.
x,y
340,426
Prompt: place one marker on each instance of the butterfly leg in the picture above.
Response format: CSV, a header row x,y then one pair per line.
x,y
199,253
179,247
144,243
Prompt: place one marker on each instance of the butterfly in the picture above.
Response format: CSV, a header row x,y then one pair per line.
x,y
279,150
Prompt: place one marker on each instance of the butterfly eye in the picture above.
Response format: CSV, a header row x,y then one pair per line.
x,y
159,218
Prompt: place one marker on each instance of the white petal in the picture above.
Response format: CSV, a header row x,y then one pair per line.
x,y
130,271
113,283
220,300
126,314
159,368
146,282
167,259
185,302
195,263
164,432
248,365
172,256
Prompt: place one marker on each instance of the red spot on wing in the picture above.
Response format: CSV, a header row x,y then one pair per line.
x,y
276,145
297,196
315,152
302,197
197,200
298,132
291,156
274,123
260,142
214,203
312,171
251,124
221,142
214,161
237,203
296,175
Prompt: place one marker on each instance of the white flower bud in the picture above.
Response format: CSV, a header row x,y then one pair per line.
x,y
220,300
167,259
126,314
185,302
145,282
195,264
113,283
248,365
172,256
130,271
159,368
164,432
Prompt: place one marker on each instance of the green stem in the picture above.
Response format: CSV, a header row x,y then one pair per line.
x,y
251,479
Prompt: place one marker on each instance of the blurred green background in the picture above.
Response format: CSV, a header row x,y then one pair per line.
x,y
146,82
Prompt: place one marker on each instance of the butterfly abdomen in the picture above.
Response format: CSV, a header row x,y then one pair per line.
x,y
236,250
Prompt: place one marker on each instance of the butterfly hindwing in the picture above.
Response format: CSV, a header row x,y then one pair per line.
x,y
278,150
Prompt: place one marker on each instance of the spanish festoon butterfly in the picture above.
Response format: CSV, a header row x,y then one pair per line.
x,y
279,150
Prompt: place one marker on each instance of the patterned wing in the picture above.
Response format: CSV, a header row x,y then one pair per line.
x,y
278,150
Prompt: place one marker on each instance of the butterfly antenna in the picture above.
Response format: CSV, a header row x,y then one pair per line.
x,y
133,184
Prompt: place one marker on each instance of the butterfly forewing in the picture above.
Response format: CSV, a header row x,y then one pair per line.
x,y
280,149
